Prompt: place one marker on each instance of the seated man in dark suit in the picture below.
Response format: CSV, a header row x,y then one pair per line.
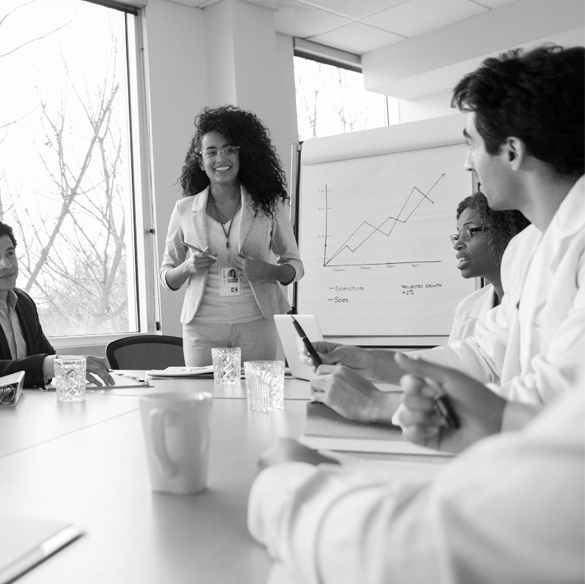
x,y
23,345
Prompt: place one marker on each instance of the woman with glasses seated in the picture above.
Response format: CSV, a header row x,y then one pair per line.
x,y
481,238
234,218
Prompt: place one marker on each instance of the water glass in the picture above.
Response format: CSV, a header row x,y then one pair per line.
x,y
265,385
70,378
227,364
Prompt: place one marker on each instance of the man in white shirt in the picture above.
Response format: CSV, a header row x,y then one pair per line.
x,y
525,134
508,510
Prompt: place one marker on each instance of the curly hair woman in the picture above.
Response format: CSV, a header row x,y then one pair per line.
x,y
233,219
481,239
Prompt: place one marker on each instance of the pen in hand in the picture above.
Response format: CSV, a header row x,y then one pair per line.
x,y
445,411
199,250
314,355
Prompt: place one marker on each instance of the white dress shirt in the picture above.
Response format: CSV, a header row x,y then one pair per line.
x,y
509,510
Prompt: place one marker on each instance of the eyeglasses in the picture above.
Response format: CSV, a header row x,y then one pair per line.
x,y
465,235
227,151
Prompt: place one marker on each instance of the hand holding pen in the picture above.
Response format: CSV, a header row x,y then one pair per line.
x,y
472,410
308,345
200,260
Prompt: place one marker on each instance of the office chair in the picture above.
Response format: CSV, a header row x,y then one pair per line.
x,y
145,352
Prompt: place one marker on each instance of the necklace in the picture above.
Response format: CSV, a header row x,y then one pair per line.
x,y
221,221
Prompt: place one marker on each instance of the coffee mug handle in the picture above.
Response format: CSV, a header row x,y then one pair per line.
x,y
157,418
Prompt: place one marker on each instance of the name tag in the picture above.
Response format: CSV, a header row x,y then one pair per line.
x,y
229,283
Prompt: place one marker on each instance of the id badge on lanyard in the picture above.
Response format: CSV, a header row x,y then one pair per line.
x,y
229,283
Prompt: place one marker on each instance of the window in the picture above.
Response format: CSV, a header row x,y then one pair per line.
x,y
70,150
331,99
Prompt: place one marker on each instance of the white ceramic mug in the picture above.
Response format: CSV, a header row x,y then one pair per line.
x,y
176,435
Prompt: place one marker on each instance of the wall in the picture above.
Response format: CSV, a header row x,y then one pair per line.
x,y
227,53
422,71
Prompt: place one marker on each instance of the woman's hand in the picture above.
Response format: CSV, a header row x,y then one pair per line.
x,y
199,262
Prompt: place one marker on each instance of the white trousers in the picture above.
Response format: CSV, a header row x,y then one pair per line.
x,y
257,340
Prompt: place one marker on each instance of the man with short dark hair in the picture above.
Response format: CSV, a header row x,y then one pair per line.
x,y
511,507
525,130
23,345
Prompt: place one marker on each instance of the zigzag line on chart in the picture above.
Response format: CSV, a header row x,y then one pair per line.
x,y
365,230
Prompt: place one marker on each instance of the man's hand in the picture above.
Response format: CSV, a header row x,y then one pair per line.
x,y
352,396
478,409
289,450
334,353
98,371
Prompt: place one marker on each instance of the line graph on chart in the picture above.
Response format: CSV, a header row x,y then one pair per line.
x,y
382,232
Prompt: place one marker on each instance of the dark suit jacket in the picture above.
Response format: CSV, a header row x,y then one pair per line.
x,y
37,345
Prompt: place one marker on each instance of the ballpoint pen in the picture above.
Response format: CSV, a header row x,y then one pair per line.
x,y
316,359
445,411
199,250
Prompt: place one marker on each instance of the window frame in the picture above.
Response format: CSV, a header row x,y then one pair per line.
x,y
145,258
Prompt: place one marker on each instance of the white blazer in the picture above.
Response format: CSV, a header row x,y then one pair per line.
x,y
259,237
533,345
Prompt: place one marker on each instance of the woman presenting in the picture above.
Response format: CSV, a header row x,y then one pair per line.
x,y
225,235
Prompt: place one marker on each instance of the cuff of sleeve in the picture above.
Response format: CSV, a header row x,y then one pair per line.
x,y
517,415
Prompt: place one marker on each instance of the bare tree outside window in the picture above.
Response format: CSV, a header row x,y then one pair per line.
x,y
65,180
332,100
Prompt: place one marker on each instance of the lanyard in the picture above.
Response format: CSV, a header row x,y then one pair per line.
x,y
221,221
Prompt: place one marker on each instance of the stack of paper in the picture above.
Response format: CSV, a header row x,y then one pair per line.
x,y
326,429
181,371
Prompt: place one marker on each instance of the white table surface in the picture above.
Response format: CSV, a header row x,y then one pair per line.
x,y
85,463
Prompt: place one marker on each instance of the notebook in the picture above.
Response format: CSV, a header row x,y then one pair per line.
x,y
288,338
326,429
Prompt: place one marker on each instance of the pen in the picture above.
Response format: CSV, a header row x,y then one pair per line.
x,y
197,249
445,411
316,359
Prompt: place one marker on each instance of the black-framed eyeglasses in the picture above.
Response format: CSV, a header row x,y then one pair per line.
x,y
227,151
465,235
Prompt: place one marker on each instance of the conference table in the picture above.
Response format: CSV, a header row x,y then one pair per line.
x,y
85,463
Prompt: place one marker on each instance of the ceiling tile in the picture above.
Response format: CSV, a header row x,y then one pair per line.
x,y
420,16
303,21
495,3
356,38
354,9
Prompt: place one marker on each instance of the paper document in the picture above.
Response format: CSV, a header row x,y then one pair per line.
x,y
25,542
181,371
326,429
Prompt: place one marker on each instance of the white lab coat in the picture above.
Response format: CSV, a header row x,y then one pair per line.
x,y
508,510
531,348
469,310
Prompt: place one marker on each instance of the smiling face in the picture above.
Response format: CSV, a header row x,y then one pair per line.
x,y
221,170
8,266
474,257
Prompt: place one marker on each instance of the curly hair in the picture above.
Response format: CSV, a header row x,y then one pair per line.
x,y
261,171
537,96
7,230
500,226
